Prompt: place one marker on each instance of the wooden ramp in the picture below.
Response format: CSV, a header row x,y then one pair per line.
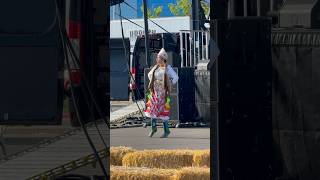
x,y
127,111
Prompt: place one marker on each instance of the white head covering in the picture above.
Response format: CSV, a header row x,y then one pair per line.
x,y
163,54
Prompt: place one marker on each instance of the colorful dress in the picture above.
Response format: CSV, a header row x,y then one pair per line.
x,y
158,102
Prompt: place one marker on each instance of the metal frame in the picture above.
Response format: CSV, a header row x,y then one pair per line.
x,y
258,7
177,95
198,48
245,8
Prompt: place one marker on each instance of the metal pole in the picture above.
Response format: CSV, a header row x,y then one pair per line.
x,y
207,46
146,31
190,48
245,8
199,47
195,14
230,9
271,5
258,8
203,41
194,34
181,48
187,48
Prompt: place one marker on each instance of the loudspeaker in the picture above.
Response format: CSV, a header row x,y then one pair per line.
x,y
187,95
31,67
202,95
241,92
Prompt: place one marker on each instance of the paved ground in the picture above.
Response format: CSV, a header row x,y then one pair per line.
x,y
19,138
116,105
50,156
190,138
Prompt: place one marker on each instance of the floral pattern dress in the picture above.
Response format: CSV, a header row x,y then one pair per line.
x,y
158,104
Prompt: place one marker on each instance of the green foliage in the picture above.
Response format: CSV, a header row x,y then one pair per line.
x,y
174,9
183,7
206,7
156,12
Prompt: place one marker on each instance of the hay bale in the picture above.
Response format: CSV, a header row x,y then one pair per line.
x,y
165,159
117,153
201,158
192,173
134,173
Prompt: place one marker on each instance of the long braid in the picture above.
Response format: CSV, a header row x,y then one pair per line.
x,y
151,83
166,82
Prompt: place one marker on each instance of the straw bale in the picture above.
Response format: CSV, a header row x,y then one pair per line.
x,y
165,159
201,158
192,173
117,153
140,173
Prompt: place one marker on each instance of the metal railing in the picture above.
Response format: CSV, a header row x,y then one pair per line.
x,y
194,47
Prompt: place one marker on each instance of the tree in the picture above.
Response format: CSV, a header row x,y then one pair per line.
x,y
156,12
206,7
183,7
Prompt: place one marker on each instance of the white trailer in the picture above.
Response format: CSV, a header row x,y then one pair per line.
x,y
132,31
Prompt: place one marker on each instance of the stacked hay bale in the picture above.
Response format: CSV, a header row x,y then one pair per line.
x,y
117,154
159,164
201,158
192,173
165,159
141,173
134,173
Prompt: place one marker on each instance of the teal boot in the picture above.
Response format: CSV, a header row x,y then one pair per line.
x,y
153,127
166,130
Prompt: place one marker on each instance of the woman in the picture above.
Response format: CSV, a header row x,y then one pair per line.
x,y
161,77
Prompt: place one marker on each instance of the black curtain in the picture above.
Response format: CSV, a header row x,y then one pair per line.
x,y
296,104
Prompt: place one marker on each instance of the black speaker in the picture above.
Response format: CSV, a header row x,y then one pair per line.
x,y
186,95
31,67
241,89
202,95
296,108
